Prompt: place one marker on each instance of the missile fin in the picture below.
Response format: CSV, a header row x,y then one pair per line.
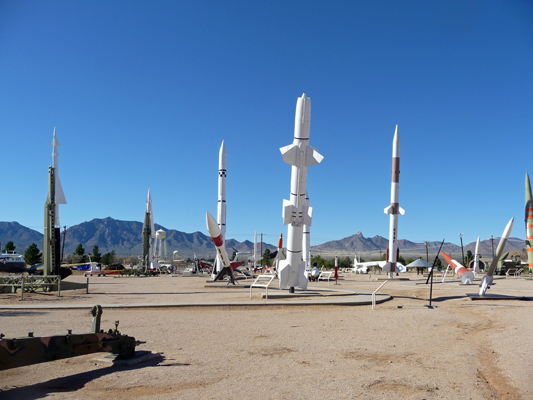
x,y
402,211
313,157
289,154
59,195
289,212
388,210
307,215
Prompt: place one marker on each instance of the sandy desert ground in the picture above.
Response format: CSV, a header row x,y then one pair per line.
x,y
460,349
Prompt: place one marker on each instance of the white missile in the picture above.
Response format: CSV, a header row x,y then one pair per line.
x,y
486,281
306,244
296,213
218,241
394,209
152,230
476,258
59,194
221,210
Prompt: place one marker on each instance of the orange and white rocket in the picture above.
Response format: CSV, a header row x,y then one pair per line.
x,y
279,255
467,276
394,209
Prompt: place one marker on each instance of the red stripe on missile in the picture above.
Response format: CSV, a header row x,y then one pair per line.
x,y
217,241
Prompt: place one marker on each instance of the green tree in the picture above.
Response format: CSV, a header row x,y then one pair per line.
x,y
79,255
438,263
33,255
108,258
9,247
97,256
319,260
267,258
469,257
232,256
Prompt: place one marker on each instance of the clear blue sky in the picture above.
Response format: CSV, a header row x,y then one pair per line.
x,y
143,93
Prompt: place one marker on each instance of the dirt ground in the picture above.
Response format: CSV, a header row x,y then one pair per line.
x,y
460,349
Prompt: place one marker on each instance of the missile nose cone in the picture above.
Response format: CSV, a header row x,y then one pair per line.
x,y
507,230
212,226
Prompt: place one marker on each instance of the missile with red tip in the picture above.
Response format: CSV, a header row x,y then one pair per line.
x,y
394,209
486,281
218,241
467,277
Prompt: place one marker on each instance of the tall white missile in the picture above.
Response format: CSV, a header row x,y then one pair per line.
x,y
394,208
152,228
296,213
476,258
221,210
59,194
486,281
306,244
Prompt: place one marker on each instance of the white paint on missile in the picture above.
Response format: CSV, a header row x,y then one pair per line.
x,y
296,213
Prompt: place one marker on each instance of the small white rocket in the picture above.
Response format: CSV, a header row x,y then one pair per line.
x,y
394,208
486,281
59,194
221,210
296,213
152,230
306,245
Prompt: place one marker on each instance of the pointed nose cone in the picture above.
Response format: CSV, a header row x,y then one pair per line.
x,y
508,228
280,242
55,142
528,192
148,202
222,158
396,143
212,226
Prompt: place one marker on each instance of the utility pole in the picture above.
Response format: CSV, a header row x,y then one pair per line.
x,y
492,242
462,250
261,250
427,255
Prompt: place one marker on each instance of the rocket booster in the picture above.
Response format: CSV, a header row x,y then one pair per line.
x,y
296,213
221,209
306,244
394,209
467,277
529,224
486,281
475,267
59,194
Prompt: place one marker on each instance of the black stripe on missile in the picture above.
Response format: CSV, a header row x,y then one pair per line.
x,y
301,138
294,251
223,201
294,194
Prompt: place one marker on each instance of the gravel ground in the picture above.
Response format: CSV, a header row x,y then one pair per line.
x,y
460,349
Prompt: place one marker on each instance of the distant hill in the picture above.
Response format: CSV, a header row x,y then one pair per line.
x,y
359,244
125,238
21,236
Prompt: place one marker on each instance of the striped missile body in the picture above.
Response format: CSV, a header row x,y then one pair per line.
x,y
394,209
529,224
221,209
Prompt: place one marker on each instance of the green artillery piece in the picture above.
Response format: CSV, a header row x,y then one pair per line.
x,y
19,352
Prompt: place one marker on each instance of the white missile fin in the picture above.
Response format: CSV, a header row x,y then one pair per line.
x,y
388,210
289,154
288,212
307,213
402,211
59,195
313,157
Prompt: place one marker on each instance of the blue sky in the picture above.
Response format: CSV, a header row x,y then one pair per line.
x,y
143,93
